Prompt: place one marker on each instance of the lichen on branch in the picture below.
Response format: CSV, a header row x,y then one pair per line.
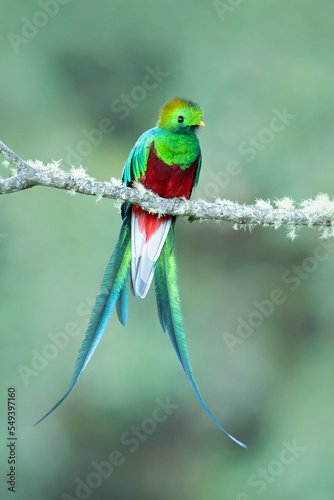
x,y
317,212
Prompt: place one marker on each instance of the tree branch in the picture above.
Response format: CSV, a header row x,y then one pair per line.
x,y
317,212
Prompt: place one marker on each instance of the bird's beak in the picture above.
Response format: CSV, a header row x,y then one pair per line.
x,y
201,124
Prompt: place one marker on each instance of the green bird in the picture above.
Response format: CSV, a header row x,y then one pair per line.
x,y
167,160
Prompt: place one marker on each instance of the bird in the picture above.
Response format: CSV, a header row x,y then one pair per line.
x,y
167,160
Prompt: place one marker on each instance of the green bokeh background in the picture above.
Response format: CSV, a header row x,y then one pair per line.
x,y
272,388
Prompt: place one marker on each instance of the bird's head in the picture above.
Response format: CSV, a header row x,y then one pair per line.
x,y
180,116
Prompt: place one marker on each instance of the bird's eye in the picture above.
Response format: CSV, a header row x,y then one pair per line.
x,y
180,119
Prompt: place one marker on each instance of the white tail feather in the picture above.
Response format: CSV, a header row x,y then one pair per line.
x,y
144,255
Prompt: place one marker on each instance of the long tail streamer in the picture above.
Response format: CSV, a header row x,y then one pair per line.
x,y
170,315
113,291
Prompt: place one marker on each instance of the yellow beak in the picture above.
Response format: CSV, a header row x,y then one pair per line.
x,y
201,124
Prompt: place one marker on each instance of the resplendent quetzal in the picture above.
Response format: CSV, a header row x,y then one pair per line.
x,y
167,160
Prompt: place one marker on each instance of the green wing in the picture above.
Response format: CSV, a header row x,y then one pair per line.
x,y
136,164
198,171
